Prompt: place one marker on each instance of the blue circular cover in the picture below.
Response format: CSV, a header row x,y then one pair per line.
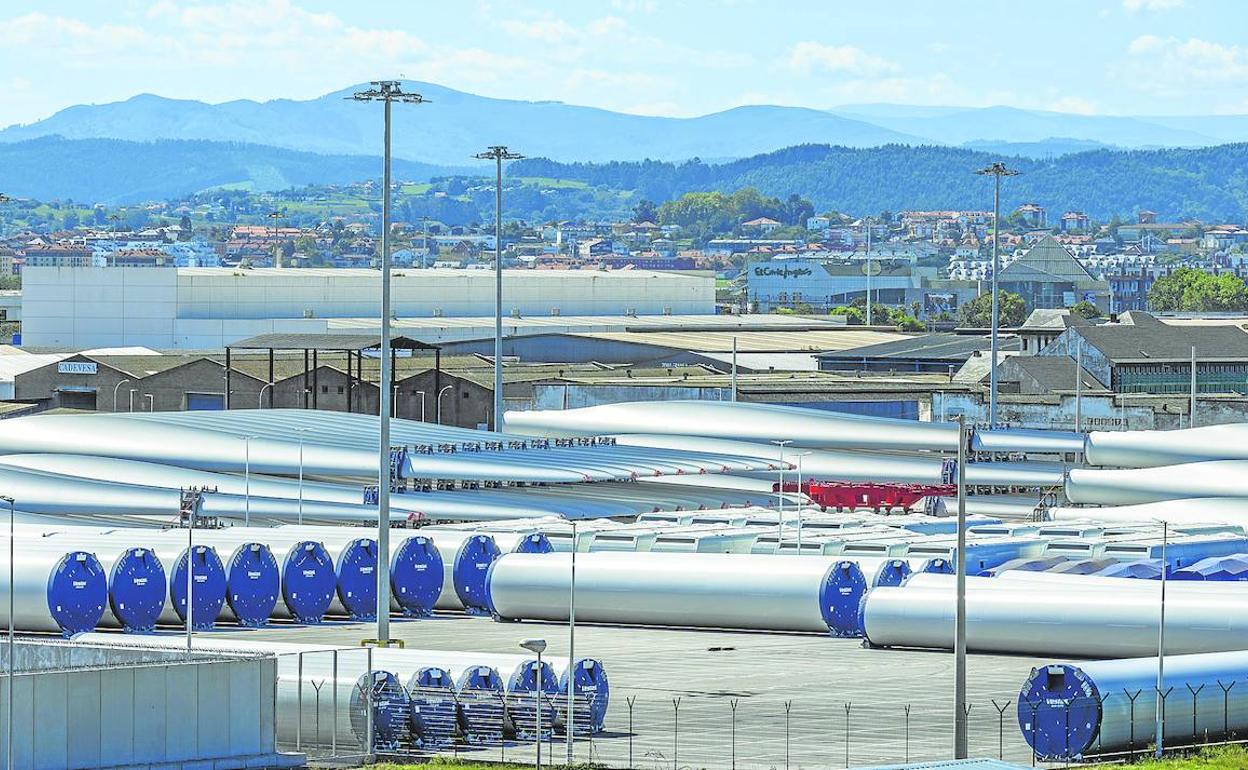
x,y
1059,711
391,708
592,688
892,573
308,581
208,593
357,579
252,584
534,542
480,693
434,712
136,589
77,591
840,599
471,570
416,575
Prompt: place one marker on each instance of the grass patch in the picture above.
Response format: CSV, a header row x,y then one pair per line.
x,y
1233,757
552,183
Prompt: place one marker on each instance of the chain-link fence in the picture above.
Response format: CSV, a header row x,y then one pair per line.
x,y
332,708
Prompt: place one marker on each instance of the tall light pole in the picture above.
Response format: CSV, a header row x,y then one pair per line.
x,y
301,431
1159,728
996,170
780,496
8,726
387,92
537,647
498,153
571,731
869,317
960,748
800,494
439,400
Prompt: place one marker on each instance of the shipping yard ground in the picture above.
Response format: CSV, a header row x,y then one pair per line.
x,y
707,670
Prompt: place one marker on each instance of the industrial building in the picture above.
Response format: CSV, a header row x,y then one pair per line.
x,y
1049,276
207,308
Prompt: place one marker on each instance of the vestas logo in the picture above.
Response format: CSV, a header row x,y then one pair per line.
x,y
783,272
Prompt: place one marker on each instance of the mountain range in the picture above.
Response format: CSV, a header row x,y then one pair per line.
x,y
455,125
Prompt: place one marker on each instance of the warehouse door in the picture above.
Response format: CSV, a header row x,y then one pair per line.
x,y
204,401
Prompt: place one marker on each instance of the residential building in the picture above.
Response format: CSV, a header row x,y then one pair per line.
x,y
57,256
1033,215
1074,221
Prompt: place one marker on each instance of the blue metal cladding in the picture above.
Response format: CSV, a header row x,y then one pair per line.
x,y
840,599
252,584
357,579
523,701
391,709
593,689
471,573
308,581
136,590
416,576
535,542
479,690
77,592
434,712
209,587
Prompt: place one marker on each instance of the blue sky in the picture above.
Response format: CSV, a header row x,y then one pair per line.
x,y
665,57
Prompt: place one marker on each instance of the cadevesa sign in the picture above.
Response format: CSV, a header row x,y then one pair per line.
x,y
782,272
76,367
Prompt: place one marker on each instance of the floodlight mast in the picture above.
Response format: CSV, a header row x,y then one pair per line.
x,y
498,153
996,170
387,92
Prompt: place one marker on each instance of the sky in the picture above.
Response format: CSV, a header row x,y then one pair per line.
x,y
654,57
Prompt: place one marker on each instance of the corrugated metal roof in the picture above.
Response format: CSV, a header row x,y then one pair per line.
x,y
752,342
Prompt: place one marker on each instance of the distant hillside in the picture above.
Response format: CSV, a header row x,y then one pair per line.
x,y
113,171
455,125
1208,184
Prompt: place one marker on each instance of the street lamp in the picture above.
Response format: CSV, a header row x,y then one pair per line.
x,y
571,720
996,170
116,388
869,317
1158,739
301,431
12,555
151,402
260,400
800,494
439,400
780,494
537,647
132,392
247,480
387,92
421,393
498,154
960,732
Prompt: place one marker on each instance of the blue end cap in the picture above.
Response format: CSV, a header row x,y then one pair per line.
x,y
252,584
840,599
416,576
891,573
308,581
480,693
521,686
434,713
136,590
471,571
938,565
391,709
77,592
1059,711
209,589
593,689
357,579
534,542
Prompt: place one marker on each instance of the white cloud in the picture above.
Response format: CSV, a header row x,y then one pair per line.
x,y
1151,5
1170,66
550,29
811,57
1074,105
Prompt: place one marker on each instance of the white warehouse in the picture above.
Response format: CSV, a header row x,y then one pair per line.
x,y
206,308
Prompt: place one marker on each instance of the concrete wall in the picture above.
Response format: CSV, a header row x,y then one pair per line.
x,y
128,713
